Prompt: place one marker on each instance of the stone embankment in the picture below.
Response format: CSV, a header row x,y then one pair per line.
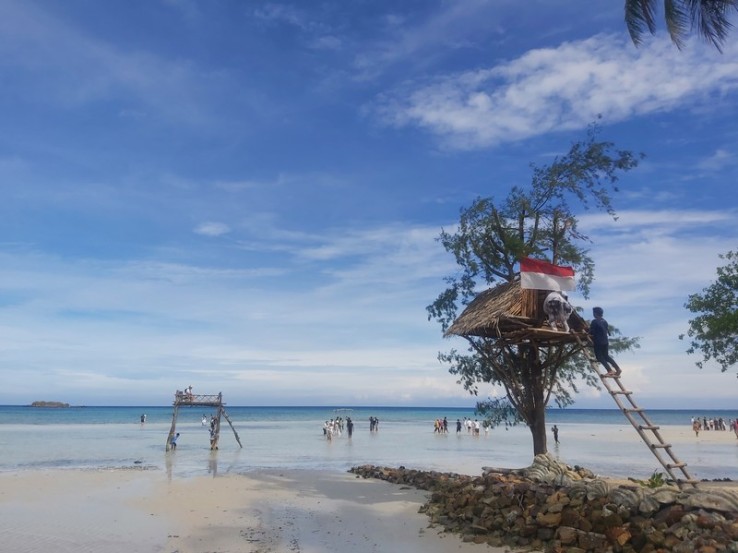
x,y
559,509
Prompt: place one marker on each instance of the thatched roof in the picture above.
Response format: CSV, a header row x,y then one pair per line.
x,y
492,312
509,311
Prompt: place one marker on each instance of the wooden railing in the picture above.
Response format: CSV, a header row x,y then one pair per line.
x,y
184,398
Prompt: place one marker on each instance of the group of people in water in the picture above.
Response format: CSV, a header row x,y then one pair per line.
x,y
335,427
440,426
713,424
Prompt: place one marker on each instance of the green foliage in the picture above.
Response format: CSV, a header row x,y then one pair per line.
x,y
711,19
656,480
539,221
498,412
714,331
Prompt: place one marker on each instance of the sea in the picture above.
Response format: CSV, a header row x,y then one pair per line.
x,y
114,438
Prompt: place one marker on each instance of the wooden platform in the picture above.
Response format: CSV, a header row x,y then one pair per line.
x,y
543,336
205,400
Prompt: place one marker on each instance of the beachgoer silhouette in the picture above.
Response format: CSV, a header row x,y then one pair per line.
x,y
600,332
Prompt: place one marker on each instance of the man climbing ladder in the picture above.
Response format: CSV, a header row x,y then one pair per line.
x,y
599,330
648,431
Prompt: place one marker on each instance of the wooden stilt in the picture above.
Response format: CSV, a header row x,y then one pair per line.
x,y
173,428
232,427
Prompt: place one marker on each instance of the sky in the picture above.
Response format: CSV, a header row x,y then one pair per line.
x,y
245,196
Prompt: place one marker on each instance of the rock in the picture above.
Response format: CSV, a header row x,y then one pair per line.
x,y
549,520
530,508
715,500
566,535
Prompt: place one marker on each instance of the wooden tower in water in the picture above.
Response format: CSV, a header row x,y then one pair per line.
x,y
188,399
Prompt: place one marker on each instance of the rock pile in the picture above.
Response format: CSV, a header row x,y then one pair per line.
x,y
559,509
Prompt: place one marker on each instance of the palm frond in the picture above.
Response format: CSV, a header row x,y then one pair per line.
x,y
678,21
640,17
711,18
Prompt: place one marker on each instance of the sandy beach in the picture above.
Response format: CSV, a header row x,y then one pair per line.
x,y
131,510
286,511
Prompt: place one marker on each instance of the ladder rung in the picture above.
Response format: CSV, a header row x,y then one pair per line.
x,y
676,465
690,481
622,392
661,446
648,427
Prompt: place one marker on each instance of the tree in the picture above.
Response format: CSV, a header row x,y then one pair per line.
x,y
711,18
714,331
491,237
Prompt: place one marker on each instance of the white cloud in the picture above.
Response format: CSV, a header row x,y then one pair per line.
x,y
563,88
281,13
72,68
719,160
354,330
212,229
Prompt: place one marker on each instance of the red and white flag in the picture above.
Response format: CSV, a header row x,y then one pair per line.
x,y
540,275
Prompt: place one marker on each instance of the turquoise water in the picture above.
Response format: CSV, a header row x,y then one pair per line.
x,y
292,437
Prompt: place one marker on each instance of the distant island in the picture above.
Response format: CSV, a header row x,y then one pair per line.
x,y
49,404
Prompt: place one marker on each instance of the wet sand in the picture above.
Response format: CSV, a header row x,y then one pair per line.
x,y
276,511
282,511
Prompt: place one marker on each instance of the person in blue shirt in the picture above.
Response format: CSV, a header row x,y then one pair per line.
x,y
173,441
600,332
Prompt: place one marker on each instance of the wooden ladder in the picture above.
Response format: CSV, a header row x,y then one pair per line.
x,y
648,431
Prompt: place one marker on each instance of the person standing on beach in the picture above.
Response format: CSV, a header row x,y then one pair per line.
x,y
173,441
349,426
555,431
696,427
600,332
458,426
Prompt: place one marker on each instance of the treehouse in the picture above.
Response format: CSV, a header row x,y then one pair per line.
x,y
515,316
511,318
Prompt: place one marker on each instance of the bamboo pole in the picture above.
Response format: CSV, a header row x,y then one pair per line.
x,y
174,423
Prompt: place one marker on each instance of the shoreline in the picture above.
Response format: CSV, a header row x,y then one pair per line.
x,y
260,511
265,511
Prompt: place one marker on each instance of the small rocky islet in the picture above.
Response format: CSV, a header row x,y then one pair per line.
x,y
51,404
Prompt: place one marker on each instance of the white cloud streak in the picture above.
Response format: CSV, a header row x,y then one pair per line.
x,y
562,88
212,229
361,327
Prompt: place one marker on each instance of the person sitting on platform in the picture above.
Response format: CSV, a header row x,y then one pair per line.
x,y
557,307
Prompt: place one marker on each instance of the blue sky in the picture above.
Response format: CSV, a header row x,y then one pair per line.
x,y
244,196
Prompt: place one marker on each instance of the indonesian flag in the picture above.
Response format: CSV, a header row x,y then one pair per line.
x,y
540,275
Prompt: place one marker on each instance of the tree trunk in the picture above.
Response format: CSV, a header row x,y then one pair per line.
x,y
535,400
538,427
538,407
